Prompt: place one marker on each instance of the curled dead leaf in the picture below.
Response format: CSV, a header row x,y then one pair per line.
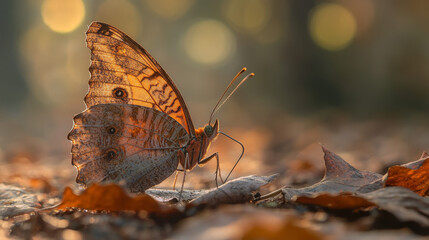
x,y
340,176
404,204
109,198
380,183
416,180
342,201
289,230
234,191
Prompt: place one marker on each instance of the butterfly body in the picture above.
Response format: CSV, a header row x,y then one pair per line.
x,y
136,127
197,148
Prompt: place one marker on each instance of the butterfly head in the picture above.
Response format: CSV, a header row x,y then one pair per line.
x,y
211,131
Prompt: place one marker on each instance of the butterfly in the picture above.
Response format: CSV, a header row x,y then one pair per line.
x,y
136,127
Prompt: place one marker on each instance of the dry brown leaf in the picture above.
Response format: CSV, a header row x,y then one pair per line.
x,y
108,198
345,187
289,230
404,204
339,177
415,180
342,201
380,183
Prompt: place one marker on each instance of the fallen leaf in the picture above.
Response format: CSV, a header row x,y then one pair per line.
x,y
108,198
416,180
339,177
345,187
289,230
380,183
403,203
342,201
168,195
237,190
15,201
234,191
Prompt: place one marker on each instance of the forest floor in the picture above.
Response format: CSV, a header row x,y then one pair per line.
x,y
300,209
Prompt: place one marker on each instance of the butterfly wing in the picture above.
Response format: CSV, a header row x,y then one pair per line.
x,y
114,142
124,72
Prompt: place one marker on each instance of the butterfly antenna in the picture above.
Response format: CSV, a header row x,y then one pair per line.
x,y
241,155
219,104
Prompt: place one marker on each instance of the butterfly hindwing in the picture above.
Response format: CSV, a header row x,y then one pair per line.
x,y
123,72
114,142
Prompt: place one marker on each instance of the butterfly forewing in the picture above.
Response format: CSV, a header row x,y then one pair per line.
x,y
114,142
123,72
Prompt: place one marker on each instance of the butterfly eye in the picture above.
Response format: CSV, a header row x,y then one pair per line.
x,y
110,154
208,130
119,93
111,130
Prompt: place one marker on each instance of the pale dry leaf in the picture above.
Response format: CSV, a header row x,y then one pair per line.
x,y
15,201
234,191
166,195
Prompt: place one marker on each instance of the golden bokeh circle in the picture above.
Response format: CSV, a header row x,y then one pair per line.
x,y
251,16
332,27
63,16
209,42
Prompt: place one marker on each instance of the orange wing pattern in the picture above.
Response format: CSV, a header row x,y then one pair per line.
x,y
124,72
114,142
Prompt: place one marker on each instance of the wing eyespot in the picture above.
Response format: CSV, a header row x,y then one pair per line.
x,y
110,154
119,93
111,130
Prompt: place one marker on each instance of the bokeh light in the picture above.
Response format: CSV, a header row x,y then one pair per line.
x,y
209,42
54,78
168,9
121,14
63,16
248,15
332,26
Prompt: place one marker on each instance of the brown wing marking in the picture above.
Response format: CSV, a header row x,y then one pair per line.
x,y
123,72
114,142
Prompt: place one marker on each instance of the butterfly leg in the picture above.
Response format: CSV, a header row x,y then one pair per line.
x,y
180,155
184,175
205,160
175,177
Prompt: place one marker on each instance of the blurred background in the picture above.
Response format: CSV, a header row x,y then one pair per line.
x,y
350,74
